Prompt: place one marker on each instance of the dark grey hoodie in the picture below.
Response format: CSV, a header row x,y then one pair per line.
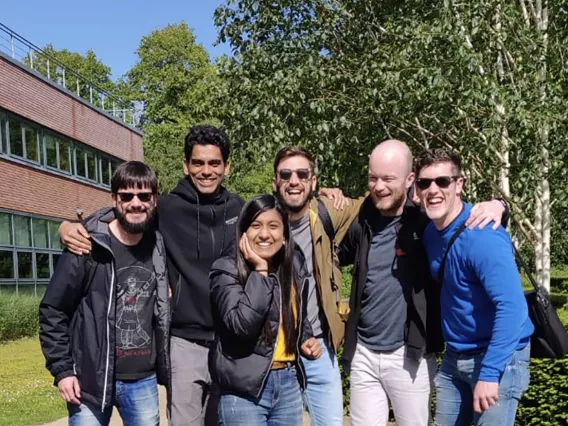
x,y
196,229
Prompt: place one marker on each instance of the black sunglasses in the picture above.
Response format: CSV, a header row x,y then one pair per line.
x,y
286,174
126,197
441,182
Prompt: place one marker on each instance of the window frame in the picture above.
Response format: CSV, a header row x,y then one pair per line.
x,y
103,163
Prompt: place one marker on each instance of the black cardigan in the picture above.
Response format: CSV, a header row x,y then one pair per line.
x,y
422,333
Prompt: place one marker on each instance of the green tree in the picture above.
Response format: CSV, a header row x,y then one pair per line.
x,y
175,82
485,78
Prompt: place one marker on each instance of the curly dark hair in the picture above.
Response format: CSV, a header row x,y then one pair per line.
x,y
207,135
438,155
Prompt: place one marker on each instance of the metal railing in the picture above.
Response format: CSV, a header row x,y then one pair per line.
x,y
24,51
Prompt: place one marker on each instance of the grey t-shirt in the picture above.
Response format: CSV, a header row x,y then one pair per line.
x,y
383,306
303,237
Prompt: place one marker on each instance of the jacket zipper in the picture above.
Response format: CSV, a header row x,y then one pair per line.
x,y
276,342
299,354
108,336
211,230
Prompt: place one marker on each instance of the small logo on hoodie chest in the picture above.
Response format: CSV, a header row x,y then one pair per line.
x,y
231,220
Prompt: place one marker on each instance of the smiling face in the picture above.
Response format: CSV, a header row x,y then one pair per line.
x,y
295,192
134,208
266,234
442,205
206,168
388,182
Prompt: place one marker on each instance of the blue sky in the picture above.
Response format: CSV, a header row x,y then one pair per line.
x,y
112,29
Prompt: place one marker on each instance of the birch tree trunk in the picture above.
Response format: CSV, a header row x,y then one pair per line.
x,y
542,205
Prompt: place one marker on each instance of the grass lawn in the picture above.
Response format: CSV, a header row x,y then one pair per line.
x,y
27,394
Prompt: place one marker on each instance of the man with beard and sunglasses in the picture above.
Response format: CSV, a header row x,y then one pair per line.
x,y
394,326
295,183
104,319
197,220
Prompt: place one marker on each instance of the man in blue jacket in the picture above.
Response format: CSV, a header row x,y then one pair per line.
x,y
485,319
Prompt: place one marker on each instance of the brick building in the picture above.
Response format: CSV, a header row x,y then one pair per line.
x,y
57,154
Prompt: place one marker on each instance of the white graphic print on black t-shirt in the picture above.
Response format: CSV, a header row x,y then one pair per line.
x,y
134,321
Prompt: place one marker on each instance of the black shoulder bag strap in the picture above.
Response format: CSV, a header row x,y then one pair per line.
x,y
325,219
443,263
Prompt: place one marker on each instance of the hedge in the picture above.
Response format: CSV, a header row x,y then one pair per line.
x,y
18,316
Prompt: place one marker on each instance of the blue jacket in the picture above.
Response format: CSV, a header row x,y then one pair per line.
x,y
482,299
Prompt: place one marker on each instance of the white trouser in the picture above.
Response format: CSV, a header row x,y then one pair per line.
x,y
380,377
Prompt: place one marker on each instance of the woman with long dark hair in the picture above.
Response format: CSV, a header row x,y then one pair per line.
x,y
259,311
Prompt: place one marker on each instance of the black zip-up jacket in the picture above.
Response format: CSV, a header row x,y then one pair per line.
x,y
77,315
197,230
241,360
423,332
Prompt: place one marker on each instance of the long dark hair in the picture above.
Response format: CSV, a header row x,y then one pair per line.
x,y
282,263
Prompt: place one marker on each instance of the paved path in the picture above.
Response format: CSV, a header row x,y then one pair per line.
x,y
115,421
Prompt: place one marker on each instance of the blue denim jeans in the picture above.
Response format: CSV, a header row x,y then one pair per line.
x,y
324,398
280,403
455,383
137,403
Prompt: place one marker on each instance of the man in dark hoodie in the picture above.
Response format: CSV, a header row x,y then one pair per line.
x,y
197,221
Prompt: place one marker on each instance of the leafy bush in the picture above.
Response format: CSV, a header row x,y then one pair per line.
x,y
546,401
18,316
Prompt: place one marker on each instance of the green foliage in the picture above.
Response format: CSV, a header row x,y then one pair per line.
x,y
340,76
252,180
175,83
18,316
546,401
88,66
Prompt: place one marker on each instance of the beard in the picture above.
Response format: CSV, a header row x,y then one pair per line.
x,y
397,200
295,208
139,227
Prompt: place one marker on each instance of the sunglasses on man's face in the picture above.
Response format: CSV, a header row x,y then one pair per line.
x,y
127,197
286,174
441,182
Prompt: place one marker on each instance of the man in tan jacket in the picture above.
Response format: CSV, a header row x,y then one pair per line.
x,y
295,183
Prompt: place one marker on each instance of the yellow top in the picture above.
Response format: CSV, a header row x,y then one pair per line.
x,y
280,350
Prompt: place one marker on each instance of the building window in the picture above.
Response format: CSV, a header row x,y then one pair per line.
x,y
51,151
104,171
64,156
54,241
32,144
6,265
80,168
25,265
42,266
29,251
22,231
5,229
41,236
15,139
91,165
2,138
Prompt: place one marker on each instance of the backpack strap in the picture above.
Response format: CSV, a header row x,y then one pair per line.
x,y
443,263
325,218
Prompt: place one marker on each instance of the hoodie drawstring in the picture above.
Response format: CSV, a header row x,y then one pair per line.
x,y
224,225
